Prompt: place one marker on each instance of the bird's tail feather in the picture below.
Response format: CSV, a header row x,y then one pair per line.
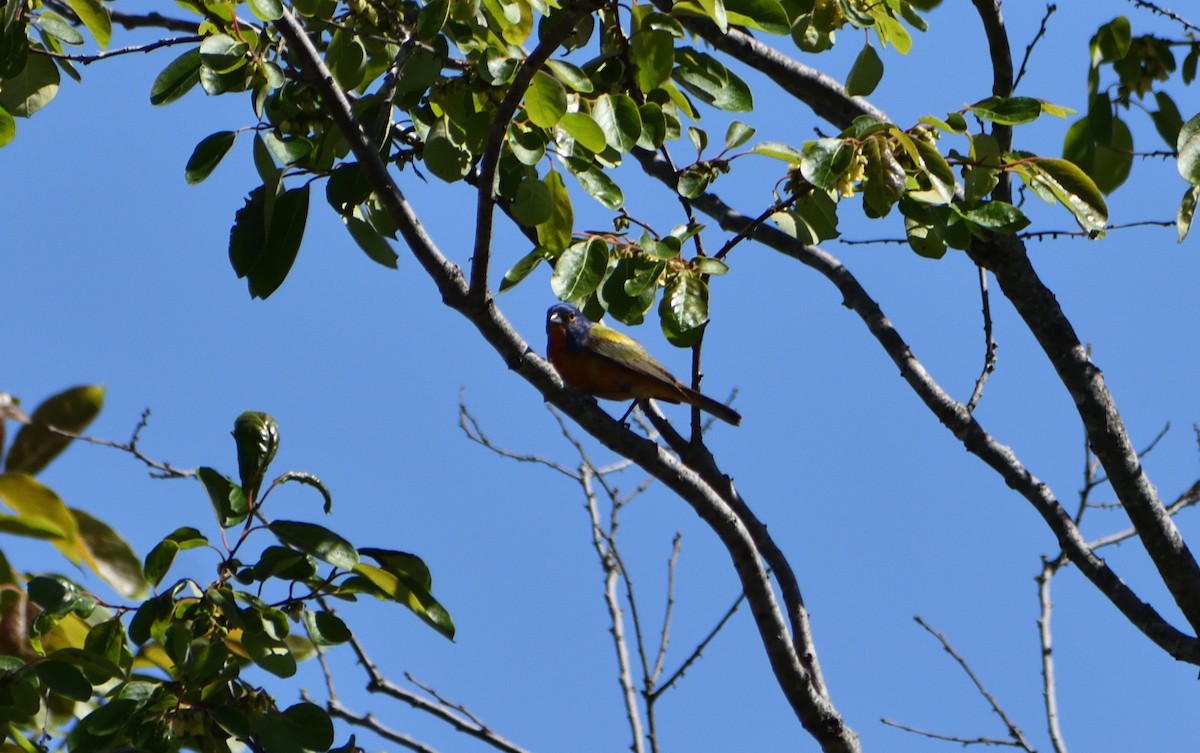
x,y
718,409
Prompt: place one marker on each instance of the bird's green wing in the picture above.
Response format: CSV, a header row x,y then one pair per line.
x,y
626,351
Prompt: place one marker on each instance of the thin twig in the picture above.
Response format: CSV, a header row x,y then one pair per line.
x,y
1166,13
102,54
989,355
1049,683
695,655
165,470
1014,732
1041,32
950,738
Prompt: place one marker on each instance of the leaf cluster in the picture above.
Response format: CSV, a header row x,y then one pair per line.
x,y
169,671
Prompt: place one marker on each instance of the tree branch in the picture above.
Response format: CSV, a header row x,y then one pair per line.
x,y
954,416
814,710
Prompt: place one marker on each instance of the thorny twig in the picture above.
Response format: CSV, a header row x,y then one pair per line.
x,y
1041,32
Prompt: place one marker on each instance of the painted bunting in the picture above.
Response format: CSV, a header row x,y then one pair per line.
x,y
603,362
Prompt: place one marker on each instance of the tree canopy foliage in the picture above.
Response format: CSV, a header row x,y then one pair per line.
x,y
531,107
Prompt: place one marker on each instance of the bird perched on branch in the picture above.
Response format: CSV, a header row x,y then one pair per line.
x,y
603,362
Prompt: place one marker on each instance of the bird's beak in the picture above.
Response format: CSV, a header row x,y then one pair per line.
x,y
556,319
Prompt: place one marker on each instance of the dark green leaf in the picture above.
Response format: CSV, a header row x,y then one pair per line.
x,y
764,15
653,53
373,244
445,156
346,58
63,679
533,204
709,80
884,178
1007,110
269,653
207,155
256,436
326,628
286,150
825,160
227,498
158,562
580,269
866,73
113,558
35,445
625,302
1113,39
318,541
737,134
431,18
654,126
310,724
222,53
1167,120
282,242
694,180
521,269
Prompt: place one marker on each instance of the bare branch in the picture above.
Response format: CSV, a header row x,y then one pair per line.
x,y
165,470
1158,10
989,355
1041,32
102,54
1049,683
703,644
1014,732
964,741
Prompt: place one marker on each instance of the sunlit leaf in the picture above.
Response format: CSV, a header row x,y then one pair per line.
x,y
318,541
177,78
1187,211
94,16
32,89
545,101
580,269
1007,110
866,72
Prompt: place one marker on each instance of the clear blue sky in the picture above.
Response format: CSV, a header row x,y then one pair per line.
x,y
116,272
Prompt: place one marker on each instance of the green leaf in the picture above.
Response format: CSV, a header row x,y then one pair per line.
x,y
269,653
545,101
63,679
1113,39
59,28
580,269
625,301
1007,110
432,18
318,541
177,78
653,53
286,150
445,156
405,590
884,177
825,160
221,53
326,628
311,725
654,126
737,134
533,203
32,89
373,244
779,151
711,82
1167,120
519,271
263,253
1065,182
583,128
227,498
1187,211
764,15
600,186
555,234
683,310
113,558
571,75
266,10
35,445
618,116
207,155
866,73
346,58
8,126
158,562
1187,147
256,435
708,265
999,216
94,16
694,180
940,173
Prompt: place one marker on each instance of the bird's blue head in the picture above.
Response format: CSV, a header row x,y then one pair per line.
x,y
566,321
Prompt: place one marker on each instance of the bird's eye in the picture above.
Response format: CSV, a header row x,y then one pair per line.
x,y
571,317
